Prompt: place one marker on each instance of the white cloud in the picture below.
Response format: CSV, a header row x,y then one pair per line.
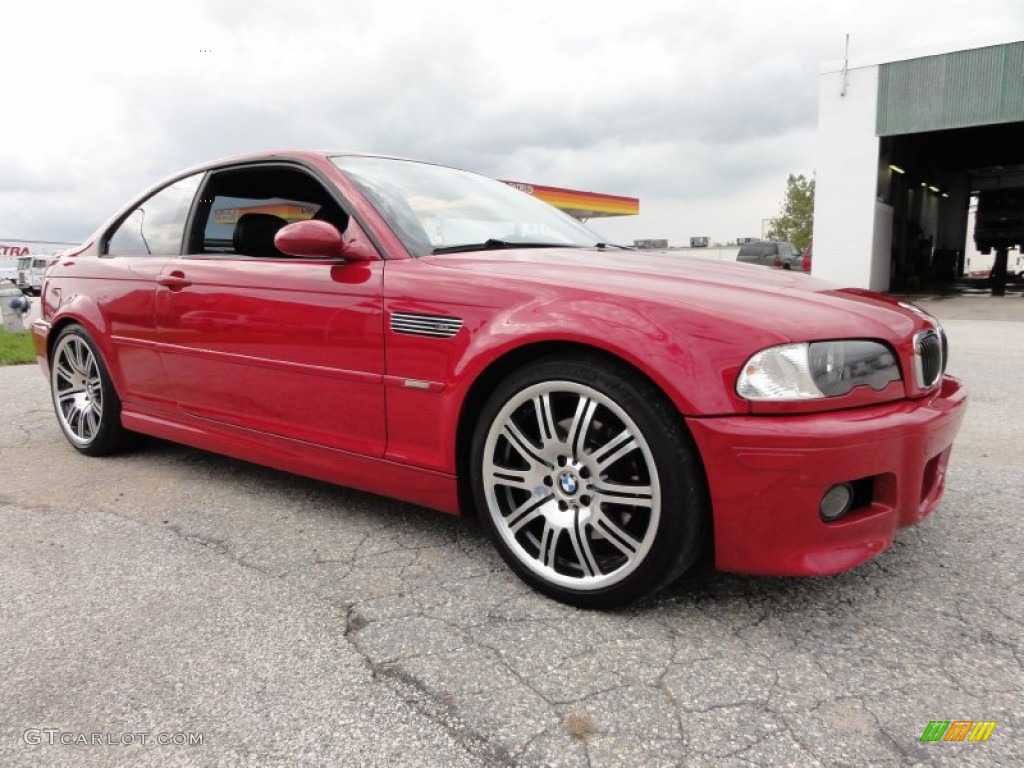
x,y
699,109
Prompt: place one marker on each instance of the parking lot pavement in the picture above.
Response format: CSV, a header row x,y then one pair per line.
x,y
295,623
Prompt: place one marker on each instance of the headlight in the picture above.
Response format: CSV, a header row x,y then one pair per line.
x,y
816,370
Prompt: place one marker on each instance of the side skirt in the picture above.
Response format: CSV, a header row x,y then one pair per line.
x,y
427,488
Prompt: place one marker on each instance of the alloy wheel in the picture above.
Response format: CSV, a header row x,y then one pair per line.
x,y
571,485
77,390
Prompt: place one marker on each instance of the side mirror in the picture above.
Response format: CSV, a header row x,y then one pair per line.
x,y
320,240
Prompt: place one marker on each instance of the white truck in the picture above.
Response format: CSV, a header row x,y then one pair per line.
x,y
23,262
30,273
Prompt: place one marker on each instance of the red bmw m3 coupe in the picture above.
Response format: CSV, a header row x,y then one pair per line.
x,y
443,338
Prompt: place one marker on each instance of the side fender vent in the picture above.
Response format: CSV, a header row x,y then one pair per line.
x,y
431,326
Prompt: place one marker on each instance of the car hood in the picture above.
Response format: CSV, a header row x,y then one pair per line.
x,y
790,305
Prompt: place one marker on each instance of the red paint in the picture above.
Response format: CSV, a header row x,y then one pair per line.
x,y
292,363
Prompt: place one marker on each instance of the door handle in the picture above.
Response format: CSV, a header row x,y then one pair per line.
x,y
175,281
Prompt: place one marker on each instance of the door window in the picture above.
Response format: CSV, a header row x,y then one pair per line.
x,y
241,209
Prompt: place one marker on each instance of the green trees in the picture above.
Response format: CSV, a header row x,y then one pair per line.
x,y
795,222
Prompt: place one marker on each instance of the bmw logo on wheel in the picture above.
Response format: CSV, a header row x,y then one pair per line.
x,y
568,483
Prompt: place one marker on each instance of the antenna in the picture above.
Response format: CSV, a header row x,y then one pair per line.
x,y
846,64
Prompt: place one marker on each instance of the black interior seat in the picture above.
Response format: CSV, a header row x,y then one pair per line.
x,y
254,234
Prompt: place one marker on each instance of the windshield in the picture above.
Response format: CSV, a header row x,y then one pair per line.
x,y
433,209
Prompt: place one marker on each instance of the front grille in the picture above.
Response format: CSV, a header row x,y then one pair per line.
x,y
434,326
929,358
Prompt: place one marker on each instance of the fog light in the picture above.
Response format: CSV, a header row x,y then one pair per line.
x,y
836,502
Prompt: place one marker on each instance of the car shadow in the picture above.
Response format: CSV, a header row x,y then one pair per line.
x,y
327,504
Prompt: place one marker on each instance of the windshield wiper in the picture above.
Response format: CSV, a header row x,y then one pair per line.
x,y
603,246
497,245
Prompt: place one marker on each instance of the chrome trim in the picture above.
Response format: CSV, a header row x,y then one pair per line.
x,y
431,326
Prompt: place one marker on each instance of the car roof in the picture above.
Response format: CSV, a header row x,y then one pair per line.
x,y
288,154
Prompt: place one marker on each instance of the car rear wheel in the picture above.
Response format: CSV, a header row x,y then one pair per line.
x,y
588,482
88,409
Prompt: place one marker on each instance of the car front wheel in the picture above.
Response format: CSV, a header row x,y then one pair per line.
x,y
588,481
88,409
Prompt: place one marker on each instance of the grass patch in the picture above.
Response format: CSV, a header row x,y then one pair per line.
x,y
16,348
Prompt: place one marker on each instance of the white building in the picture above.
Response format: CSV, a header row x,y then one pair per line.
x,y
904,142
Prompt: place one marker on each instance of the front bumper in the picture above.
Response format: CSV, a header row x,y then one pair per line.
x,y
767,475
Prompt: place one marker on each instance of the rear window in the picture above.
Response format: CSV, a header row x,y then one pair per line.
x,y
156,225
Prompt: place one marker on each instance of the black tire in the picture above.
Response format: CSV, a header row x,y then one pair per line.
x,y
587,481
84,399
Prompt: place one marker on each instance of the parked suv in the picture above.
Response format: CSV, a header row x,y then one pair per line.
x,y
770,254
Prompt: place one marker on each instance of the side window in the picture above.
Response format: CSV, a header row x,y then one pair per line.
x,y
242,209
156,226
226,232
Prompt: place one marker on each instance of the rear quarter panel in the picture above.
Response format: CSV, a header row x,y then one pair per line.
x,y
112,299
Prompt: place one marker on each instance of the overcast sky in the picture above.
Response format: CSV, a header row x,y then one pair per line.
x,y
700,109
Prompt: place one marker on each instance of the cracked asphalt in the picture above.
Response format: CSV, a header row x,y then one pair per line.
x,y
296,623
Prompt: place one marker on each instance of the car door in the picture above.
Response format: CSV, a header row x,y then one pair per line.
x,y
255,339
